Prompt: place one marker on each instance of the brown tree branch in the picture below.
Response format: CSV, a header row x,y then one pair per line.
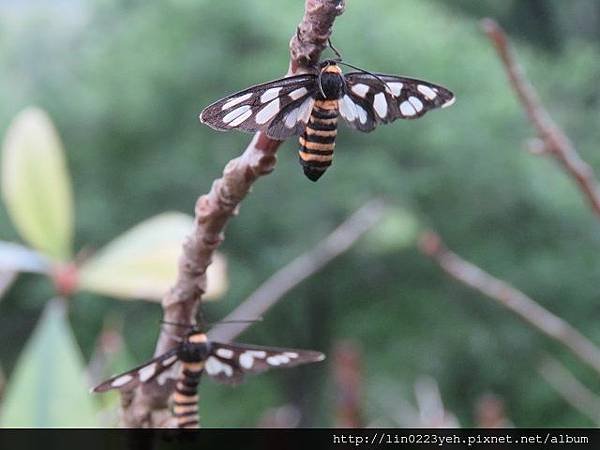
x,y
570,388
553,139
288,277
509,297
148,405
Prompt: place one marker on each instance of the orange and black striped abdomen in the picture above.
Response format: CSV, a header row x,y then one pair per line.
x,y
185,398
318,140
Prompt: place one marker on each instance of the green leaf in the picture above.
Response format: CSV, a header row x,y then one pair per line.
x,y
142,263
398,229
36,187
48,386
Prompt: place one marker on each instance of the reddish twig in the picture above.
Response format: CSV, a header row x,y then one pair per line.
x,y
348,380
511,298
288,277
553,139
148,405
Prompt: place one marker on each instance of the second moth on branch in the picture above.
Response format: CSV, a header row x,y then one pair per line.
x,y
195,355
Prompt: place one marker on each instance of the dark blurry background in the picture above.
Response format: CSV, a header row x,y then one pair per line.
x,y
124,81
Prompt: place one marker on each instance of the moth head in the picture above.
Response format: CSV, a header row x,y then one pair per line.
x,y
330,66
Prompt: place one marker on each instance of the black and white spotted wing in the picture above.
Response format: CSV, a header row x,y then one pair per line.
x,y
281,108
141,374
367,101
228,363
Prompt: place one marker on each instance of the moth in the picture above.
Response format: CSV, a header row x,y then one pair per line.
x,y
195,355
308,106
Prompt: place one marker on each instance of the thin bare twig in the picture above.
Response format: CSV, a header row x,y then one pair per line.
x,y
148,404
570,388
511,298
291,275
553,139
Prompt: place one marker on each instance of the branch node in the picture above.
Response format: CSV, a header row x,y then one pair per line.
x,y
430,243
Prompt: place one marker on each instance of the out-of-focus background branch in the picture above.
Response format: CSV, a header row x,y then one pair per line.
x,y
509,297
552,139
292,274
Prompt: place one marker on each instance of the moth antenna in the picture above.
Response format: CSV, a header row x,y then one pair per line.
x,y
377,77
178,324
259,319
335,50
320,85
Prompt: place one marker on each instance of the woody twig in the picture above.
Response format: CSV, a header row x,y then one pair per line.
x,y
147,407
552,140
511,298
298,270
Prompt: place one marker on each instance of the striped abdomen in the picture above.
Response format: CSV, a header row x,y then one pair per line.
x,y
185,404
318,140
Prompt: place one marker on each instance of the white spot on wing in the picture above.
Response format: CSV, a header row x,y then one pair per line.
x,y
360,89
305,110
122,380
268,112
362,114
277,360
429,93
298,93
292,117
239,120
449,102
170,360
407,109
257,353
348,109
225,353
301,113
270,94
147,372
229,117
246,360
170,374
214,367
396,88
380,105
236,101
291,354
417,104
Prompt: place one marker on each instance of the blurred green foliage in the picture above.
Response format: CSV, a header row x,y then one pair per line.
x,y
48,388
124,81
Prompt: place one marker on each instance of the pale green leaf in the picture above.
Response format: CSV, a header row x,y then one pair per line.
x,y
48,387
36,187
142,263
